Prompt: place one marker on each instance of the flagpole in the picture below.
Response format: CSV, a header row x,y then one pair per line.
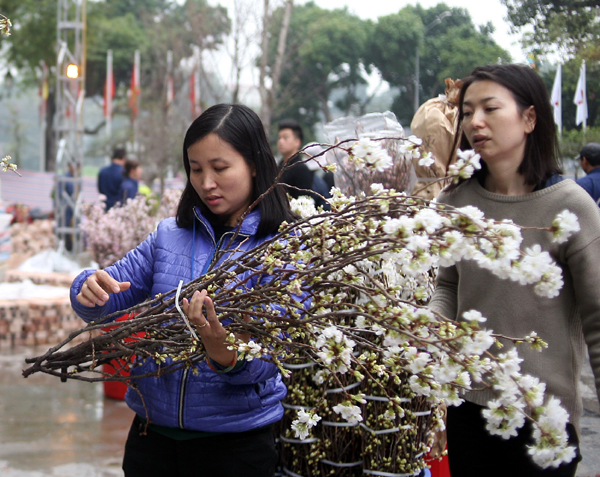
x,y
136,99
43,115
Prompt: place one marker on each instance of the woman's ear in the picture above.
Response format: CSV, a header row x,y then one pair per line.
x,y
530,119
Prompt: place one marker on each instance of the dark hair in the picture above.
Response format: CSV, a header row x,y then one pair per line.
x,y
130,165
591,152
540,161
119,153
239,126
294,126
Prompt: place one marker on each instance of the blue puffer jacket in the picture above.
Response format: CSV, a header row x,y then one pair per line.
x,y
243,399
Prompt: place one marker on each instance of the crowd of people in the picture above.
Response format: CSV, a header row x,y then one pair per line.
x,y
218,419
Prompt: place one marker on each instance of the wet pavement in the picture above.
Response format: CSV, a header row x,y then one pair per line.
x,y
50,428
54,429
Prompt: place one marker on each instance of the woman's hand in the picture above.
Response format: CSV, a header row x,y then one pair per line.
x,y
97,288
209,328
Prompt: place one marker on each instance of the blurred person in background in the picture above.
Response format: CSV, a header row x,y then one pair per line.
x,y
111,177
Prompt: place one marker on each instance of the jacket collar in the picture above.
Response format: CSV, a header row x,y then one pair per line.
x,y
249,225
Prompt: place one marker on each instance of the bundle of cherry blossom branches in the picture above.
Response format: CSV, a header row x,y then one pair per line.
x,y
346,290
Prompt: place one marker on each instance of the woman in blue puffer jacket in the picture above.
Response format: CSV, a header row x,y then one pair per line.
x,y
215,420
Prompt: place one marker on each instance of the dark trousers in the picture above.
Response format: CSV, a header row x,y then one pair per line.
x,y
247,454
472,451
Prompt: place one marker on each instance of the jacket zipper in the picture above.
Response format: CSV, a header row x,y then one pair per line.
x,y
185,374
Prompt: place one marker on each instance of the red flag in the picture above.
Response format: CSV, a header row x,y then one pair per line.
x,y
134,88
109,87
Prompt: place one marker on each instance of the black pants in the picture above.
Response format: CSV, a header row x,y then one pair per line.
x,y
247,454
472,451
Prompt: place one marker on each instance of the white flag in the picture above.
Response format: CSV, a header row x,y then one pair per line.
x,y
580,99
556,98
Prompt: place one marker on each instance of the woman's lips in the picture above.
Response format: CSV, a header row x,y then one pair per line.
x,y
213,200
478,141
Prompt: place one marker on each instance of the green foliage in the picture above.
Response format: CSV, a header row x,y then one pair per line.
x,y
571,25
151,26
572,140
325,51
450,48
572,29
33,36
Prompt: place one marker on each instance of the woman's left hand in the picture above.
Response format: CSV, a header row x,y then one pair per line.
x,y
209,328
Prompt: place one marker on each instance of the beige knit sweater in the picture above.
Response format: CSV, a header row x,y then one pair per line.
x,y
515,310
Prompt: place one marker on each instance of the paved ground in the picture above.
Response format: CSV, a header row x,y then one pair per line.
x,y
54,429
49,428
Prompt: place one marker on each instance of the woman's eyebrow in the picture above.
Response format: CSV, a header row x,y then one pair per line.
x,y
484,100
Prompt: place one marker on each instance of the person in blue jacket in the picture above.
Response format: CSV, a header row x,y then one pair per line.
x,y
111,176
216,419
590,163
132,173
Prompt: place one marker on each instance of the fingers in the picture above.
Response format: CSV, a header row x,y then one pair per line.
x,y
211,314
201,312
193,309
97,288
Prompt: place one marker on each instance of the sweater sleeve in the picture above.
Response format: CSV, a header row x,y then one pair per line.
x,y
136,267
445,296
583,265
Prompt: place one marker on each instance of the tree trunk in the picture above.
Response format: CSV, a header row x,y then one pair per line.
x,y
268,94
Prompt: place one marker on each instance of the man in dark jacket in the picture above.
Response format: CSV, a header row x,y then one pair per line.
x,y
590,163
297,175
111,177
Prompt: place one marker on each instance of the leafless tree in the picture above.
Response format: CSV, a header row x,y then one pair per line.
x,y
268,92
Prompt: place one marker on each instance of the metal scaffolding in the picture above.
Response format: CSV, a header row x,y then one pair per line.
x,y
68,122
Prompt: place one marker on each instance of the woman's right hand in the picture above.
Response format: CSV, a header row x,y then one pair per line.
x,y
97,288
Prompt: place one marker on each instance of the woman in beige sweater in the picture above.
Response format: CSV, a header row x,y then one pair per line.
x,y
505,115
